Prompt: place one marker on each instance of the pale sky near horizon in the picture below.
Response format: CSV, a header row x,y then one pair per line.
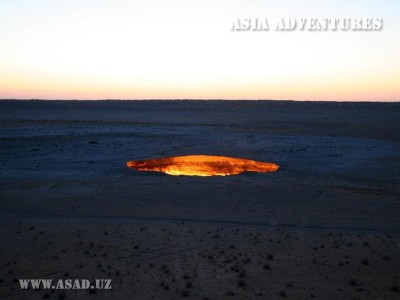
x,y
185,49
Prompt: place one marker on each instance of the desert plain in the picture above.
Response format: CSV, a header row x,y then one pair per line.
x,y
326,225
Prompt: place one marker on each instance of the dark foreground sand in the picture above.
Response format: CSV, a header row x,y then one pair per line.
x,y
325,226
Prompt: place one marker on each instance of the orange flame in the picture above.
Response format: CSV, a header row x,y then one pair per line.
x,y
202,165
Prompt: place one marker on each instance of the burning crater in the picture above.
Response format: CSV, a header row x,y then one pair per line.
x,y
202,165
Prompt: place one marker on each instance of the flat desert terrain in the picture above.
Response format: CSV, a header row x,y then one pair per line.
x,y
326,225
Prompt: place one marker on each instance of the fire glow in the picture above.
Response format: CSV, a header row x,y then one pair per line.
x,y
202,165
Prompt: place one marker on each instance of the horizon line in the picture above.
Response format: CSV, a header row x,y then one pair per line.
x,y
200,99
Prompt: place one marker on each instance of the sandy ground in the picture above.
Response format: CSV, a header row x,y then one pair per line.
x,y
325,226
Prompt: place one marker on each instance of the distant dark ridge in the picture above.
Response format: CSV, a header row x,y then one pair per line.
x,y
182,104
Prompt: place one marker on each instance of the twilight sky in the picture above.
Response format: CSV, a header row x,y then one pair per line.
x,y
169,49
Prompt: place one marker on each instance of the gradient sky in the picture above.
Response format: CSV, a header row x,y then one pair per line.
x,y
169,49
